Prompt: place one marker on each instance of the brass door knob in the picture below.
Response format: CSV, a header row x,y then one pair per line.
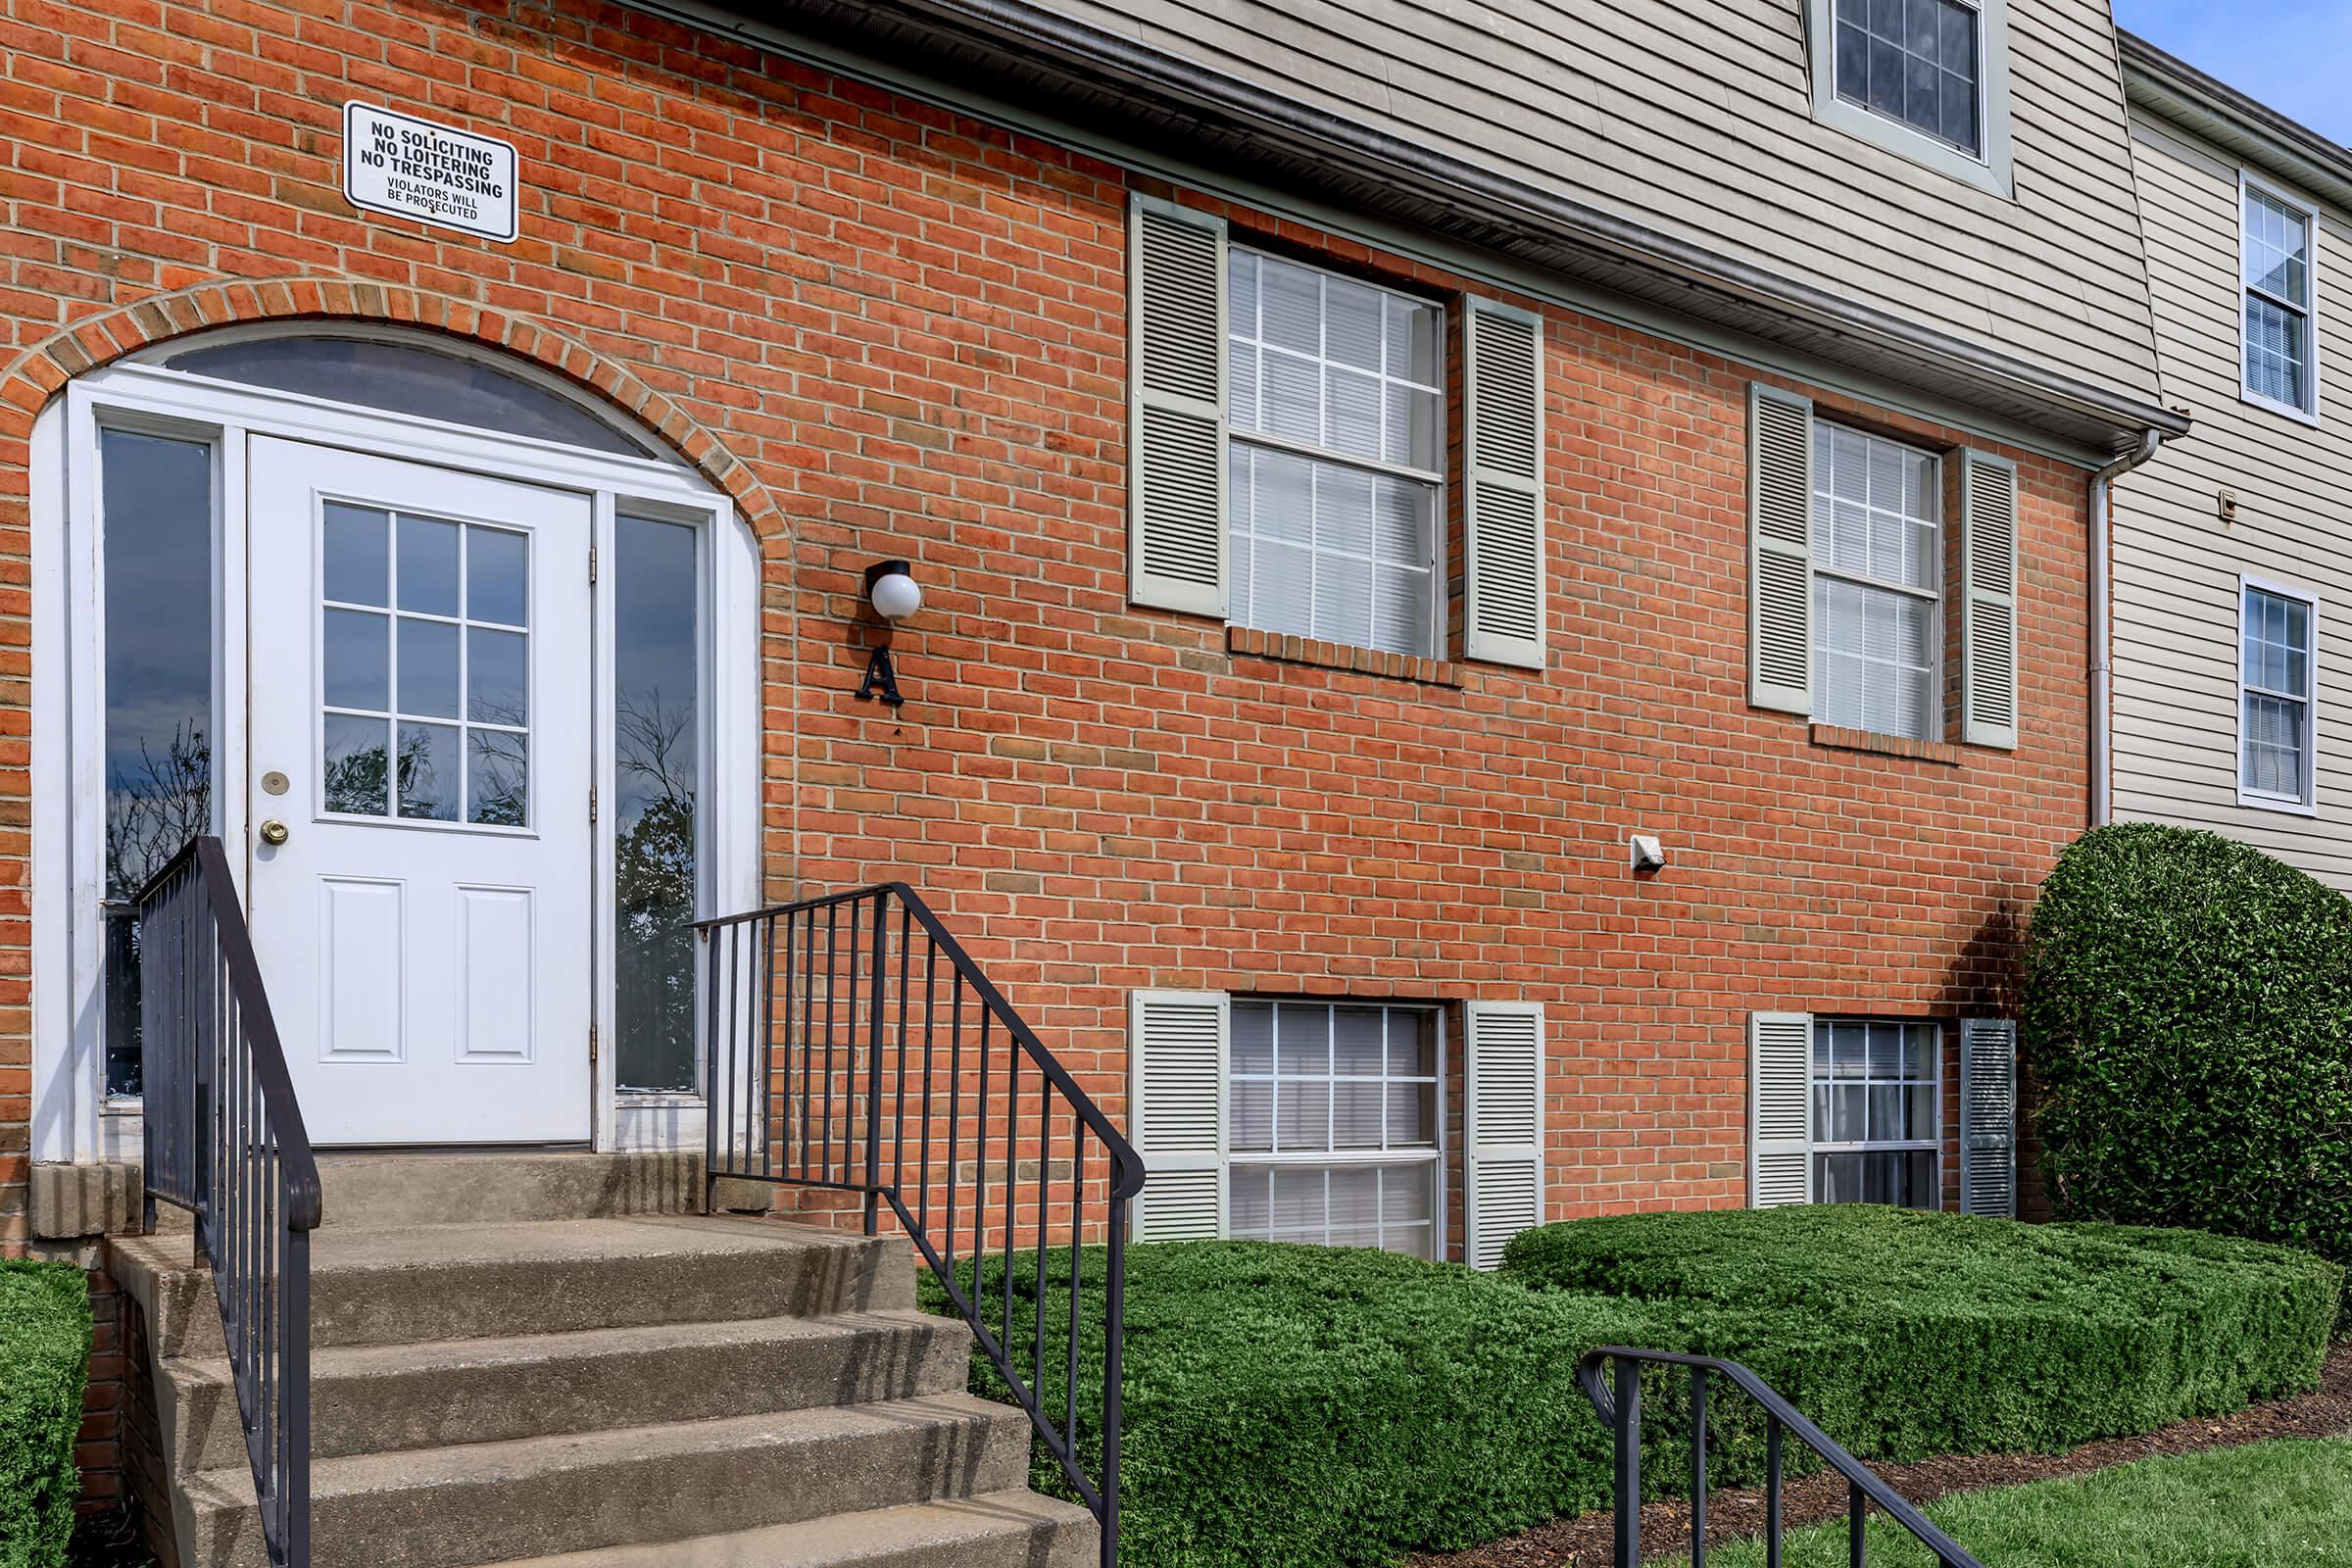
x,y
274,831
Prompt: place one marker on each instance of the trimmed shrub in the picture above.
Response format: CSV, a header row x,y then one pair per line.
x,y
1287,1406
1906,1335
44,1361
2188,1023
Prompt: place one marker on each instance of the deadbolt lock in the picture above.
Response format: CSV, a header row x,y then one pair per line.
x,y
274,831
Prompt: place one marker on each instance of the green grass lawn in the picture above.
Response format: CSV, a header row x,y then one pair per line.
x,y
2283,1504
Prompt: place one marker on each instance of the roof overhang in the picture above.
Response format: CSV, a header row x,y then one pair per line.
x,y
2255,132
1027,54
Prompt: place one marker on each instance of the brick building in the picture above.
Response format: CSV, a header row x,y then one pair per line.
x,y
1343,544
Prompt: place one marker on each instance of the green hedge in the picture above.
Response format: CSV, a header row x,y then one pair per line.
x,y
1287,1406
1906,1335
44,1361
2188,1020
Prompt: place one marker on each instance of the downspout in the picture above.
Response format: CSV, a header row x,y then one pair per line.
x,y
2102,630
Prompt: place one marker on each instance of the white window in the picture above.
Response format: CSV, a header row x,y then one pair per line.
x,y
2281,368
2277,628
1332,1124
1877,563
1926,79
1337,451
1877,1117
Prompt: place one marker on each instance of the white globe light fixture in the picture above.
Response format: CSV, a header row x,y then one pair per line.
x,y
892,590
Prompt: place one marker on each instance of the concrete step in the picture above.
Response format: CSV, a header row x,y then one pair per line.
x,y
488,1503
379,1399
1002,1530
360,1190
433,1283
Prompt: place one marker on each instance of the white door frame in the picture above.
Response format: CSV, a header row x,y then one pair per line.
x,y
72,1120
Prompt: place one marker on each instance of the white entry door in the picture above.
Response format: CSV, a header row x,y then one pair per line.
x,y
418,772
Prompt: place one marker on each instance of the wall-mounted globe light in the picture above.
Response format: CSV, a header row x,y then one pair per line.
x,y
891,588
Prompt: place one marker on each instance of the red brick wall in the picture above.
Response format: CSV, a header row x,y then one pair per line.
x,y
888,330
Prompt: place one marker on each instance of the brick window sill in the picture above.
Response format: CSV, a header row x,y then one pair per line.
x,y
1861,740
1249,642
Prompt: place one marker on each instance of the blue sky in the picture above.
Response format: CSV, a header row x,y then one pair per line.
x,y
2295,55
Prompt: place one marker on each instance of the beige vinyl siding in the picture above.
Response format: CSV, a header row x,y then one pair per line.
x,y
2178,564
1694,117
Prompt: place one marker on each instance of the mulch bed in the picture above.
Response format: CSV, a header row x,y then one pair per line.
x,y
1735,1512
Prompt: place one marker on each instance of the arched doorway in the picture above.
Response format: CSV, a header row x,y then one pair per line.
x,y
461,664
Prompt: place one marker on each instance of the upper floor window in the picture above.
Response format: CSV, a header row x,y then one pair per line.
x,y
2281,363
1928,79
1336,429
1878,564
2274,680
1915,61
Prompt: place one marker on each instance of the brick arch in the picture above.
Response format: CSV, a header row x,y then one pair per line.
x,y
41,371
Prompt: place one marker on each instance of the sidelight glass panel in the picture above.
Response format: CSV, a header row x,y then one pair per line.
x,y
156,499
658,729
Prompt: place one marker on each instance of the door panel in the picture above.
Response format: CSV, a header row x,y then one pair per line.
x,y
421,691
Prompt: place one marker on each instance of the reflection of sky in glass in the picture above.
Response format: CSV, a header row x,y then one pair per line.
x,y
656,668
157,500
406,379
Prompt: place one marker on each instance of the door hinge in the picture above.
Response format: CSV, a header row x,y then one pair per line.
x,y
592,805
592,563
592,1049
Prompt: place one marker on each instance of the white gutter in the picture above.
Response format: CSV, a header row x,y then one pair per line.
x,y
2102,630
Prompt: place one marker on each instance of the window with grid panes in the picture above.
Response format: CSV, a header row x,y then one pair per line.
x,y
1332,1124
1918,62
1337,456
2275,698
2278,239
1878,569
1877,1117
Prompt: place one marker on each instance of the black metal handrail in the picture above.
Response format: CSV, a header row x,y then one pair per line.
x,y
1620,1410
852,1046
224,1140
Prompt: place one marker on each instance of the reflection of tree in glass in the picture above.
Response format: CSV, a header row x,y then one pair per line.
x,y
354,780
655,871
497,768
153,807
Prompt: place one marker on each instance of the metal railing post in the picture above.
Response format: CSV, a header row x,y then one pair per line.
x,y
874,1012
1628,1462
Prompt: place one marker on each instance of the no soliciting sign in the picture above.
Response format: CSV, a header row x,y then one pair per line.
x,y
415,169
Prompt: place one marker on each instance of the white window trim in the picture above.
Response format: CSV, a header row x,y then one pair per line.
x,y
2308,803
1819,1147
1940,666
1440,1238
1450,425
74,1118
2307,413
1990,170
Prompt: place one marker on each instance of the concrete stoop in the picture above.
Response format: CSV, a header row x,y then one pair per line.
x,y
551,1360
